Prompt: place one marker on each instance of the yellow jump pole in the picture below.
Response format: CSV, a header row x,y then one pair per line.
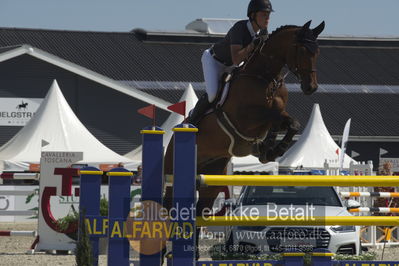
x,y
303,221
299,180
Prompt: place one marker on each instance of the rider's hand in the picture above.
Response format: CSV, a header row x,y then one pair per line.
x,y
256,41
250,48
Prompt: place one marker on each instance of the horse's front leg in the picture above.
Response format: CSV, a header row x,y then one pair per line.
x,y
263,148
292,126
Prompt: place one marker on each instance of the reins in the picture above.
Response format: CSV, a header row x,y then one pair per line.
x,y
267,77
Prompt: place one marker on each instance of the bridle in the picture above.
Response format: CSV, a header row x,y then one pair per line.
x,y
296,70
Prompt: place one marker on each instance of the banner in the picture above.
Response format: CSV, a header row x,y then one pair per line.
x,y
345,137
18,111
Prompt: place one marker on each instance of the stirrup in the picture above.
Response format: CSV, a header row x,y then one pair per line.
x,y
199,110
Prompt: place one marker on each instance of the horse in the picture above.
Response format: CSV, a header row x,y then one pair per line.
x,y
254,112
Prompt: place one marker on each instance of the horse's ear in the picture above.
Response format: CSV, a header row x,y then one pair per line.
x,y
307,24
316,31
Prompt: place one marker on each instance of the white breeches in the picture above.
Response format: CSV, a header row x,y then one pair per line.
x,y
213,71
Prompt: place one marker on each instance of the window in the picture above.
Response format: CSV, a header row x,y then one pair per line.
x,y
287,195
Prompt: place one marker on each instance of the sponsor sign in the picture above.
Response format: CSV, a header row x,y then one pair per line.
x,y
394,163
50,187
17,111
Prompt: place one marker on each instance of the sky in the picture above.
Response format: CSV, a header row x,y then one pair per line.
x,y
373,18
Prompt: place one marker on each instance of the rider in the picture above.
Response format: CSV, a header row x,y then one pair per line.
x,y
231,51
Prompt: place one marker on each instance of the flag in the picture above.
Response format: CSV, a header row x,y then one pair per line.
x,y
382,151
179,108
345,137
148,111
45,143
354,154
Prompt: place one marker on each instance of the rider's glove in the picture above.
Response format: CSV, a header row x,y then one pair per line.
x,y
256,41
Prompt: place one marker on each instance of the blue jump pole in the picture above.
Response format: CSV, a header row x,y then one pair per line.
x,y
119,181
152,185
293,258
90,186
185,168
322,257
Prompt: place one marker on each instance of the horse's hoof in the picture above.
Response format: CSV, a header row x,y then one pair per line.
x,y
280,149
271,155
263,159
266,157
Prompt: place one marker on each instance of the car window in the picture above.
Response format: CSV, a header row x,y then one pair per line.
x,y
287,195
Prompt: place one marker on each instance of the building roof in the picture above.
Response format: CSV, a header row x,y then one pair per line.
x,y
117,55
358,77
147,56
87,73
373,114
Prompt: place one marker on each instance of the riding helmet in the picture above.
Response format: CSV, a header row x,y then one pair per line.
x,y
259,5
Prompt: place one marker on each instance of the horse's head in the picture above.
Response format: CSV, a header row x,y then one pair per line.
x,y
302,56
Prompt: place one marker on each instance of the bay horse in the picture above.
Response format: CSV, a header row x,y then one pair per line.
x,y
254,111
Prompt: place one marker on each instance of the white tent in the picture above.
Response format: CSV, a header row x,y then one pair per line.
x,y
314,147
251,163
173,120
56,124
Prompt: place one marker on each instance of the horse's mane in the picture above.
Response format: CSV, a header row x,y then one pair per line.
x,y
266,40
305,36
281,28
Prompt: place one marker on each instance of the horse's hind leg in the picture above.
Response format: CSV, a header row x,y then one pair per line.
x,y
292,126
207,195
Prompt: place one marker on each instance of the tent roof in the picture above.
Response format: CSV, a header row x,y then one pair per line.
x,y
174,119
56,123
314,146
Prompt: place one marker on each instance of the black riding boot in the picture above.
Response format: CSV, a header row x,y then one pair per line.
x,y
199,110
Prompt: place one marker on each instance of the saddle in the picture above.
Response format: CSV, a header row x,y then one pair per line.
x,y
224,86
225,123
